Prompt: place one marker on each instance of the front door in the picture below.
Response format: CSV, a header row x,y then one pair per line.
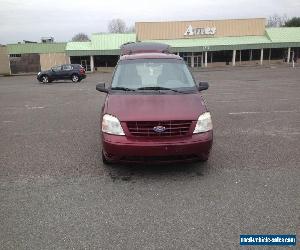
x,y
86,64
197,61
66,71
56,73
187,57
188,60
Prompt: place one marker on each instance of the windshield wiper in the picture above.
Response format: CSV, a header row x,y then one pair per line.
x,y
158,88
122,88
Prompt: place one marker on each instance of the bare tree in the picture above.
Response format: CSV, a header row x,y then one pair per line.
x,y
80,37
130,29
277,21
117,26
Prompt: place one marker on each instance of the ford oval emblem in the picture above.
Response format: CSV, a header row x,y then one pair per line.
x,y
159,129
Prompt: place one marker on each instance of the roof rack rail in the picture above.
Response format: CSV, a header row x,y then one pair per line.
x,y
144,47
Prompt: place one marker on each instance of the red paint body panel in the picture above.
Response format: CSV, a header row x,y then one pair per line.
x,y
144,107
122,148
155,107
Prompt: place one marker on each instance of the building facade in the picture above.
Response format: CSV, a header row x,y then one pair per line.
x,y
34,57
4,61
203,43
224,42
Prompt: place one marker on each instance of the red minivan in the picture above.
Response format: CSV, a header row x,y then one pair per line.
x,y
154,111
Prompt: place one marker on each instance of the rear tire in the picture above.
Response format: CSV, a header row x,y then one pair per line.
x,y
75,78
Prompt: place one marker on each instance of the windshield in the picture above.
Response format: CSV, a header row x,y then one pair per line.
x,y
153,74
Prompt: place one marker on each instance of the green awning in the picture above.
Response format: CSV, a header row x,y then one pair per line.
x,y
36,48
214,44
274,38
100,44
284,34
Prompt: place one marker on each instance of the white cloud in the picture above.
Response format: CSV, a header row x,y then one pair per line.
x,y
32,19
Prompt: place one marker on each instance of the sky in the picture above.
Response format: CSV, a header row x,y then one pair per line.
x,y
32,19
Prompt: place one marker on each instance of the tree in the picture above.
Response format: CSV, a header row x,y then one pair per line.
x,y
277,21
130,29
117,26
80,37
294,22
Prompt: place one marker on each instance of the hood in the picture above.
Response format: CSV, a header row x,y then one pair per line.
x,y
131,107
45,71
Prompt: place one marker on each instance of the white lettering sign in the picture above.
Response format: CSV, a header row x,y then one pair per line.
x,y
200,31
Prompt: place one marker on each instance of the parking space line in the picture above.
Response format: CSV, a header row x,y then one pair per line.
x,y
235,101
250,100
263,112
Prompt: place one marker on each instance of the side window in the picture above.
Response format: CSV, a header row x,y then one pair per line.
x,y
67,67
56,68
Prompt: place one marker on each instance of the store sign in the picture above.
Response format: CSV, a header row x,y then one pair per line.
x,y
200,31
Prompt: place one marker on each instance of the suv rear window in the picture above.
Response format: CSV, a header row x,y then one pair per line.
x,y
165,73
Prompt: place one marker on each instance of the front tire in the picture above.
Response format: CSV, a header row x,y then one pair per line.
x,y
204,158
75,78
45,79
104,159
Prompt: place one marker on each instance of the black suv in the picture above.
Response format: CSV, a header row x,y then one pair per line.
x,y
74,72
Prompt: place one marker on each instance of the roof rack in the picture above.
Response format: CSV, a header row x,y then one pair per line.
x,y
144,47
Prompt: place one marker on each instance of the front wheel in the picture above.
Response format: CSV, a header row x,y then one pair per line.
x,y
45,79
75,78
105,160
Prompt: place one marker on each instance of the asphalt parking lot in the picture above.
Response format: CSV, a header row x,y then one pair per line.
x,y
55,192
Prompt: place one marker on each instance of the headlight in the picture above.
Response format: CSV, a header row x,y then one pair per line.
x,y
39,73
204,123
111,125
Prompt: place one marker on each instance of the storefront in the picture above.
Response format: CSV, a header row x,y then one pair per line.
x,y
100,53
224,42
205,43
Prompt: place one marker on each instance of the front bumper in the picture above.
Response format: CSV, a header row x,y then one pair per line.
x,y
124,149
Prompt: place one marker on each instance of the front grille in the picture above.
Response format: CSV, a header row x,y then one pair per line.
x,y
146,128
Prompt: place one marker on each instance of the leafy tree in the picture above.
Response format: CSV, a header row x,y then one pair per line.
x,y
80,37
294,22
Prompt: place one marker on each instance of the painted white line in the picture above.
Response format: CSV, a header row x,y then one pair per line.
x,y
12,108
229,93
236,101
250,100
34,107
222,93
37,107
263,112
285,111
243,113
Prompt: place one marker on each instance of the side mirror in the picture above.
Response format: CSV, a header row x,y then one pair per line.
x,y
101,87
203,86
